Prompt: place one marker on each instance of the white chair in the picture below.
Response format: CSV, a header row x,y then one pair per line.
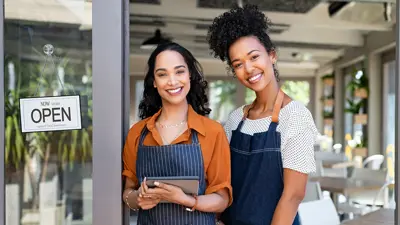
x,y
313,192
320,212
373,162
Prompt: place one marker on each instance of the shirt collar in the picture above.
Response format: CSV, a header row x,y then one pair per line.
x,y
195,121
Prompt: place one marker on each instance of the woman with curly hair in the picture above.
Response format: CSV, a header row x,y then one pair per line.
x,y
272,139
174,138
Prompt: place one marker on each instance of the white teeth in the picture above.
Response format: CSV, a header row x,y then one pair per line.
x,y
174,90
255,77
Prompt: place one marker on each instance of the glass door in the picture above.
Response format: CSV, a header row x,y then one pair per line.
x,y
50,154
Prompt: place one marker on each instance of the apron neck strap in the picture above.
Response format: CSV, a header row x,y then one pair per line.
x,y
276,110
277,106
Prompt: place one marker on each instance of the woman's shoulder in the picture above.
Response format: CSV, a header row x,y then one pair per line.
x,y
295,109
296,118
210,125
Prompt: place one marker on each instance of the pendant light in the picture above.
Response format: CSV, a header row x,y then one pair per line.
x,y
152,42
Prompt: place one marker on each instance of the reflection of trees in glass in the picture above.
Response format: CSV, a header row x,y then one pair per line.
x,y
298,90
42,148
222,95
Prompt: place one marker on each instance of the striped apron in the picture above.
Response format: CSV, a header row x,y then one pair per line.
x,y
172,160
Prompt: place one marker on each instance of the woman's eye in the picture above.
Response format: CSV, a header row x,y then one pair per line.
x,y
161,74
254,57
237,65
180,71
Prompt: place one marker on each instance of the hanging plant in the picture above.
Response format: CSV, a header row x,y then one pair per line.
x,y
328,115
354,107
328,79
359,84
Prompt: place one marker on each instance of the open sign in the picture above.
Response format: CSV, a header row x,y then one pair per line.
x,y
50,113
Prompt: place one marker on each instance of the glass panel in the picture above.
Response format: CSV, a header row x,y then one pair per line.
x,y
389,115
48,174
221,97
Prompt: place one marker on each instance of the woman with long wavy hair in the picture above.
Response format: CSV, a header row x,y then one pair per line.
x,y
175,138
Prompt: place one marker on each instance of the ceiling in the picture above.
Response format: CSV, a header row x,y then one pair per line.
x,y
306,35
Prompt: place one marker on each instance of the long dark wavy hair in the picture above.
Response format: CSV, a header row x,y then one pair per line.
x,y
197,97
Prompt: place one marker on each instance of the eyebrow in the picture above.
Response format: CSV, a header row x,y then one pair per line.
x,y
255,50
176,67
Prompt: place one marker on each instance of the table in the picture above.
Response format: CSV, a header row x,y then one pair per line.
x,y
379,217
336,164
345,185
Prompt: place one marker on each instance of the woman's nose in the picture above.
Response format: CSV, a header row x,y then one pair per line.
x,y
249,67
172,80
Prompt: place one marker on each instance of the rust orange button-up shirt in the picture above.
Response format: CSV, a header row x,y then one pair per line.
x,y
213,142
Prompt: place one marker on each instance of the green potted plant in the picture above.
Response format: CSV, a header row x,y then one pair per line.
x,y
328,117
328,79
356,108
359,84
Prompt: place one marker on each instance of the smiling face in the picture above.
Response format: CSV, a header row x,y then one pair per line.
x,y
252,63
171,77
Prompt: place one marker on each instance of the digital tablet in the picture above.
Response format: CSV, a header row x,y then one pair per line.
x,y
188,184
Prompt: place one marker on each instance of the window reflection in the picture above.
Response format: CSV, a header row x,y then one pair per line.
x,y
48,174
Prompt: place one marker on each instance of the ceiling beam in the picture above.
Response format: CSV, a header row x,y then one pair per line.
x,y
295,19
295,35
324,53
216,68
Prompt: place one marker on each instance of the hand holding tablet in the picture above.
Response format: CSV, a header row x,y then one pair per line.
x,y
173,189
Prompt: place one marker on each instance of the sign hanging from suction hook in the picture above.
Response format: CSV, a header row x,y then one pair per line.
x,y
50,113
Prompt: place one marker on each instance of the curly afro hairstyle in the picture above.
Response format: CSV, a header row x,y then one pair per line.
x,y
197,97
236,23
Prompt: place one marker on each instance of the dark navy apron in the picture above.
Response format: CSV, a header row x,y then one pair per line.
x,y
257,174
172,160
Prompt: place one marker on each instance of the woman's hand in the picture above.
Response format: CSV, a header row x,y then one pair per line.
x,y
144,200
170,193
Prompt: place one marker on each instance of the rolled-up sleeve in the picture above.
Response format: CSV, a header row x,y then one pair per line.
x,y
129,157
219,169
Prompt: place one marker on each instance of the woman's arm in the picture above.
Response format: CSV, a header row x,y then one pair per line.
x,y
298,161
130,194
293,193
214,202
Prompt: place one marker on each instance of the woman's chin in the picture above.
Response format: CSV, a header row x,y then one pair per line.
x,y
175,101
258,87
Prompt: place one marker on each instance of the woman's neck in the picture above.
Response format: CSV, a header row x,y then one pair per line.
x,y
265,99
173,114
